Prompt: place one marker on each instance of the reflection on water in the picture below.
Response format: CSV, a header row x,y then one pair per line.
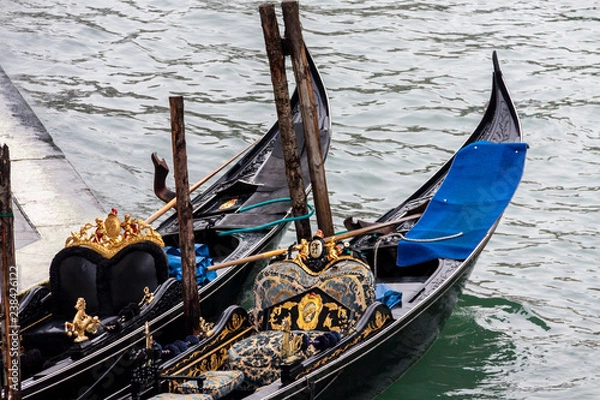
x,y
408,81
464,352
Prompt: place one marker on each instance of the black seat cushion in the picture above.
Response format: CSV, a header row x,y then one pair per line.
x,y
74,274
106,284
138,266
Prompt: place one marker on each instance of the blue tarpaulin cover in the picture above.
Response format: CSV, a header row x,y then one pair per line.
x,y
203,261
480,183
387,295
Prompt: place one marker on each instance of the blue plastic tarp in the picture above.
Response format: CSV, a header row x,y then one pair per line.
x,y
478,187
203,261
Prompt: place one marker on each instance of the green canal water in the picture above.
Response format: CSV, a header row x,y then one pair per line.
x,y
408,81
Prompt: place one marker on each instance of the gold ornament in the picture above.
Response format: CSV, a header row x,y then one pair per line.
x,y
309,309
108,237
82,323
290,344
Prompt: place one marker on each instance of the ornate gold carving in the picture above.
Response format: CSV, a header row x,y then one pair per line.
x,y
276,313
206,328
333,250
290,344
82,323
312,249
111,235
148,297
379,320
206,358
342,318
309,309
303,251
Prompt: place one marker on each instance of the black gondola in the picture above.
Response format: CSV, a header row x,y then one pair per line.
x,y
346,320
243,213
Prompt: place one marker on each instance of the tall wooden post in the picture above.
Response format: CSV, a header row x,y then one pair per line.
x,y
293,34
9,286
191,298
293,167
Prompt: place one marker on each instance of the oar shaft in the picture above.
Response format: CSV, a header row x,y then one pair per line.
x,y
195,186
256,257
278,252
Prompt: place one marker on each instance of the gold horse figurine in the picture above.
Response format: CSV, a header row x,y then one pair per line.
x,y
82,323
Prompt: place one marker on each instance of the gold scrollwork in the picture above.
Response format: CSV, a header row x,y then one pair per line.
x,y
108,237
377,323
275,315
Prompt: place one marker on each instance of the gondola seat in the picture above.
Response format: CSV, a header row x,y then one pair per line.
x,y
312,304
108,285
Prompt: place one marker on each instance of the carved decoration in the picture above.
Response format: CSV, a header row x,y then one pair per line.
x,y
82,323
111,235
309,309
309,312
148,297
214,354
377,321
317,255
290,344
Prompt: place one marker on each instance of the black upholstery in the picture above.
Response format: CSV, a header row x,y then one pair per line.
x,y
74,274
107,284
128,278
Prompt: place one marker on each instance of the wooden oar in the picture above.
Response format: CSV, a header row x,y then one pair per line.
x,y
172,203
278,252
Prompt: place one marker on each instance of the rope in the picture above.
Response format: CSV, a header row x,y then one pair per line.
x,y
267,225
263,203
438,239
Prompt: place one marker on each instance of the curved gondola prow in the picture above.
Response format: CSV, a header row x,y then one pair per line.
x,y
323,111
500,114
253,175
500,123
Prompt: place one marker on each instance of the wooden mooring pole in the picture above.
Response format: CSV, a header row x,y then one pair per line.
x,y
293,34
293,167
9,322
191,298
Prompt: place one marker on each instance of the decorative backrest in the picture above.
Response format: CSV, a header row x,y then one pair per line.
x,y
109,268
313,301
106,284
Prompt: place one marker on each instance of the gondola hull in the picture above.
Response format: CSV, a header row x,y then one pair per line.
x,y
318,329
220,222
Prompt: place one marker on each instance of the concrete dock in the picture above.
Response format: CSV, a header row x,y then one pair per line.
x,y
50,200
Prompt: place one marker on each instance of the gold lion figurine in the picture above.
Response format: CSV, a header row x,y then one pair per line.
x,y
82,323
